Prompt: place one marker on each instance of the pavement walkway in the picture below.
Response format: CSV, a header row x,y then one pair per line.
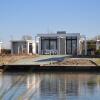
x,y
42,59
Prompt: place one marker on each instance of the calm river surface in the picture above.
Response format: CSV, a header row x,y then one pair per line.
x,y
50,86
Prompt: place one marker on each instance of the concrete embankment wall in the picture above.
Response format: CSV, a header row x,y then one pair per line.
x,y
39,68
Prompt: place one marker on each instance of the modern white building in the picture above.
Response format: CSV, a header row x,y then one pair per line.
x,y
61,43
23,47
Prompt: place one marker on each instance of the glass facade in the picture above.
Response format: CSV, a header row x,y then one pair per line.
x,y
74,47
71,45
53,45
45,45
68,46
50,43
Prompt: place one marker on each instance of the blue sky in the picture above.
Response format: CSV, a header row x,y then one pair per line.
x,y
20,17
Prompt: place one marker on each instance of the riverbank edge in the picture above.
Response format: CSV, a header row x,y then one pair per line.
x,y
40,68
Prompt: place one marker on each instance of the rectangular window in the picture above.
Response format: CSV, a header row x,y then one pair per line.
x,y
69,37
53,45
71,45
68,46
74,47
45,44
74,37
30,47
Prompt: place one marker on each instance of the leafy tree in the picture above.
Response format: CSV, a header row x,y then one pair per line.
x,y
97,52
91,45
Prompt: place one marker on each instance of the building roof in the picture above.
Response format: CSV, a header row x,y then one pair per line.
x,y
22,40
58,34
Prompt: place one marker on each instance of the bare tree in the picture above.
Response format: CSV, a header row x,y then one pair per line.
x,y
96,37
27,37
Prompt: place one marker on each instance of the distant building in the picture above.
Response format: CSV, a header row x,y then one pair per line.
x,y
61,43
23,47
97,44
93,46
0,47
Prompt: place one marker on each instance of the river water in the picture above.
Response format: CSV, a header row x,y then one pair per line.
x,y
50,86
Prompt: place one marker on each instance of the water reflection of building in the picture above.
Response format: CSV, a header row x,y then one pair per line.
x,y
63,85
59,85
55,85
33,83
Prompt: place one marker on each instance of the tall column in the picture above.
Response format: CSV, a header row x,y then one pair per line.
x,y
18,49
65,46
22,48
59,45
39,46
85,46
27,47
78,45
35,45
12,48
